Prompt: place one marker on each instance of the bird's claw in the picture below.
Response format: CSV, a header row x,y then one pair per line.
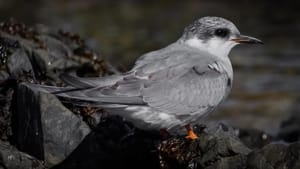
x,y
191,135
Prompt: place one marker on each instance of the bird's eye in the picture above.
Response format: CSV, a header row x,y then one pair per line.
x,y
221,32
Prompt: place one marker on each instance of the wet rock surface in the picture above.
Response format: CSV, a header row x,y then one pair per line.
x,y
275,156
254,138
37,130
33,122
221,148
45,128
38,55
115,143
10,157
217,147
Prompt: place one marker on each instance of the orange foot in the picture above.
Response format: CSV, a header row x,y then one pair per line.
x,y
191,135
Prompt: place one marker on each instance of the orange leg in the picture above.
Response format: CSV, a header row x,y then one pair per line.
x,y
191,135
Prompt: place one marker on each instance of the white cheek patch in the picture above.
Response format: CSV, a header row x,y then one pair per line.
x,y
213,46
196,43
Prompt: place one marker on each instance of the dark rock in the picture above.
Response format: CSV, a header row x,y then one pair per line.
x,y
44,128
18,64
115,144
5,115
3,75
254,138
6,47
217,147
40,55
11,158
45,53
275,156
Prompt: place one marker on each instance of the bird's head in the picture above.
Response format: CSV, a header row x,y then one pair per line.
x,y
215,35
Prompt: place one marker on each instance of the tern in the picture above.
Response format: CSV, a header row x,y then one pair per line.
x,y
170,87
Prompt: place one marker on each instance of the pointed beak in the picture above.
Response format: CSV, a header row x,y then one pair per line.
x,y
242,39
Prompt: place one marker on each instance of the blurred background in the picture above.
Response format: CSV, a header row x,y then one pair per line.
x,y
267,78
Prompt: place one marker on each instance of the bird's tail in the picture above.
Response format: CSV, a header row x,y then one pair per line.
x,y
88,82
75,96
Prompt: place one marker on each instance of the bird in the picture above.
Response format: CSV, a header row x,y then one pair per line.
x,y
171,87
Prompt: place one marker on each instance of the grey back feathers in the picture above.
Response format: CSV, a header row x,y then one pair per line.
x,y
178,80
